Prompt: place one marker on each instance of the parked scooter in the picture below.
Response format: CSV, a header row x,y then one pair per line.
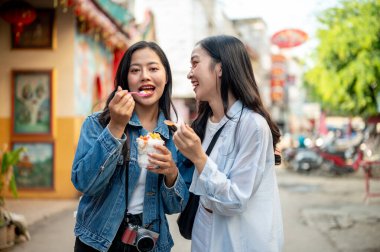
x,y
331,155
342,155
306,160
302,158
339,164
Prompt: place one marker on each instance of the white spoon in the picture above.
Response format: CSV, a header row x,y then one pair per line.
x,y
141,93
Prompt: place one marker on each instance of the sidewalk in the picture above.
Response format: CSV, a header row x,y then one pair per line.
x,y
35,210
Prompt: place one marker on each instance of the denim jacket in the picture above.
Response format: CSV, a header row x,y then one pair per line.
x,y
98,173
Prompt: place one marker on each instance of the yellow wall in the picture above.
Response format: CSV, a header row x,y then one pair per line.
x,y
4,131
67,134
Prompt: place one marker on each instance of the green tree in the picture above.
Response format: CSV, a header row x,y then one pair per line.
x,y
346,74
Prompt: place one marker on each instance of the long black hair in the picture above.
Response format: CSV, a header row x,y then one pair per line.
x,y
121,79
237,77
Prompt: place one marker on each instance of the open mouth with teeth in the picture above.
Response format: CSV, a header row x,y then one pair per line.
x,y
146,90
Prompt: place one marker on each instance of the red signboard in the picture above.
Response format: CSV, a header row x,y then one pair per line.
x,y
289,38
278,77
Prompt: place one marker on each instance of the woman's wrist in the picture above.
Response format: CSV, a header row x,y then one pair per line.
x,y
200,162
116,130
171,178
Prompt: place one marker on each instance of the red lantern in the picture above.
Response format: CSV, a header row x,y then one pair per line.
x,y
18,13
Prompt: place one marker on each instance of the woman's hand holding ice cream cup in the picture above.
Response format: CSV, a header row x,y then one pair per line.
x,y
163,163
155,157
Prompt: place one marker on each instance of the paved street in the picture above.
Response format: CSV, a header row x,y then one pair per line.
x,y
328,213
320,214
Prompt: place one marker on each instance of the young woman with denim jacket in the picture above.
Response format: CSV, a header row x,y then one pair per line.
x,y
239,209
107,148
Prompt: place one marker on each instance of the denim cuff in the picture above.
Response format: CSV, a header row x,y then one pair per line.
x,y
109,142
176,190
175,183
121,140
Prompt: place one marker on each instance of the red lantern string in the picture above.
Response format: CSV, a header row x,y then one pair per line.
x,y
18,13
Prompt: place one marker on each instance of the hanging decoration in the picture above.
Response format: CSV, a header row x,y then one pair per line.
x,y
278,78
94,22
289,38
19,14
66,4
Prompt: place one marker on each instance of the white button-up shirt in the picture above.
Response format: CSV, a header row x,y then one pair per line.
x,y
238,183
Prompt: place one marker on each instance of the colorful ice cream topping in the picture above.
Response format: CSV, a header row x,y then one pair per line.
x,y
145,145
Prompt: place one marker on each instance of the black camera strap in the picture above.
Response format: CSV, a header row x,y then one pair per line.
x,y
126,167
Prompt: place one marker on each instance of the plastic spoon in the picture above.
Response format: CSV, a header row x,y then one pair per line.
x,y
171,125
141,93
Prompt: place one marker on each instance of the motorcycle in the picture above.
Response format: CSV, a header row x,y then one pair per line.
x,y
338,163
331,155
306,160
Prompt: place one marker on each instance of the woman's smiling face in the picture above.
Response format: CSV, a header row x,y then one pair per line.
x,y
204,75
147,73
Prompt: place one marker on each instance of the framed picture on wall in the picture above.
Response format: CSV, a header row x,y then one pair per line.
x,y
32,102
37,35
35,169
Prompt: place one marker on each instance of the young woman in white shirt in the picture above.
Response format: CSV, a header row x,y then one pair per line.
x,y
239,206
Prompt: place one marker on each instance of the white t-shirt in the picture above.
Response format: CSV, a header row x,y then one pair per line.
x,y
136,203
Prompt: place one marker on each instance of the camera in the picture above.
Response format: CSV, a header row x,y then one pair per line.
x,y
143,239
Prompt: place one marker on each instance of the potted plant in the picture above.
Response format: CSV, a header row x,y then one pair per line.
x,y
8,158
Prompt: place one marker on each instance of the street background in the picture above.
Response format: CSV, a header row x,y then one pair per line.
x,y
316,64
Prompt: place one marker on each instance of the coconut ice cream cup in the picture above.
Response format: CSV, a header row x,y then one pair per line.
x,y
145,145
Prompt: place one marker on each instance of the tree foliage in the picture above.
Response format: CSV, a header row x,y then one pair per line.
x,y
346,74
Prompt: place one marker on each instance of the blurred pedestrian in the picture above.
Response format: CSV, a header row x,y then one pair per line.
x,y
239,206
115,215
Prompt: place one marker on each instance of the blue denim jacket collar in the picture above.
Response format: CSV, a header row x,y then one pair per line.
x,y
161,127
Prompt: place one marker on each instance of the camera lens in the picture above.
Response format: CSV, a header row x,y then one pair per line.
x,y
145,243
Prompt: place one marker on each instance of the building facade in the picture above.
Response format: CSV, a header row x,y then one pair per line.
x,y
58,71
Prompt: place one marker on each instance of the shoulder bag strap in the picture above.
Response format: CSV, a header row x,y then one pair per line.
x,y
214,139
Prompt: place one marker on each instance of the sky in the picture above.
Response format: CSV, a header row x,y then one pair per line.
x,y
280,14
283,14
